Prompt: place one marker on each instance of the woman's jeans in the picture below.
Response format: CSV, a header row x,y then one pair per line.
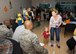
x,y
57,32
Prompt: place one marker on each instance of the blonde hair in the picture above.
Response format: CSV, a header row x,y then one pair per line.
x,y
75,32
55,10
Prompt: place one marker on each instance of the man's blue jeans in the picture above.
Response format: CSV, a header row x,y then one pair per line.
x,y
57,32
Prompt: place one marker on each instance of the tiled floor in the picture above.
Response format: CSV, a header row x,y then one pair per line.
x,y
54,50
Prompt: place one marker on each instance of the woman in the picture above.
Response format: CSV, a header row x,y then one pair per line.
x,y
54,26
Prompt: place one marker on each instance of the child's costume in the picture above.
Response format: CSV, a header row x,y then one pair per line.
x,y
19,20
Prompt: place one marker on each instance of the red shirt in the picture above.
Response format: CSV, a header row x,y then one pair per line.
x,y
46,34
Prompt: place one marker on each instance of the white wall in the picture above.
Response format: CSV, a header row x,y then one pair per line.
x,y
15,8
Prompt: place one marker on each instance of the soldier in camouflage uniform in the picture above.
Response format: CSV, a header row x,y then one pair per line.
x,y
6,30
6,46
29,41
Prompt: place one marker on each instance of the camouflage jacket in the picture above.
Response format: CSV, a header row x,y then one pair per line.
x,y
30,44
6,46
4,31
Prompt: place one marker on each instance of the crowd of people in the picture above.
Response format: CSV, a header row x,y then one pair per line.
x,y
16,36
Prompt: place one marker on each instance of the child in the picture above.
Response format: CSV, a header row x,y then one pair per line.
x,y
26,15
46,35
19,20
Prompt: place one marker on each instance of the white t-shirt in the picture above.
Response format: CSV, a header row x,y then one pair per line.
x,y
54,22
19,30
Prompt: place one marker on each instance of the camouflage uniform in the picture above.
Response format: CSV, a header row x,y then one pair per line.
x,y
30,44
6,46
5,32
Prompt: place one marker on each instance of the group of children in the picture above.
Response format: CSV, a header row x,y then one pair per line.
x,y
20,19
